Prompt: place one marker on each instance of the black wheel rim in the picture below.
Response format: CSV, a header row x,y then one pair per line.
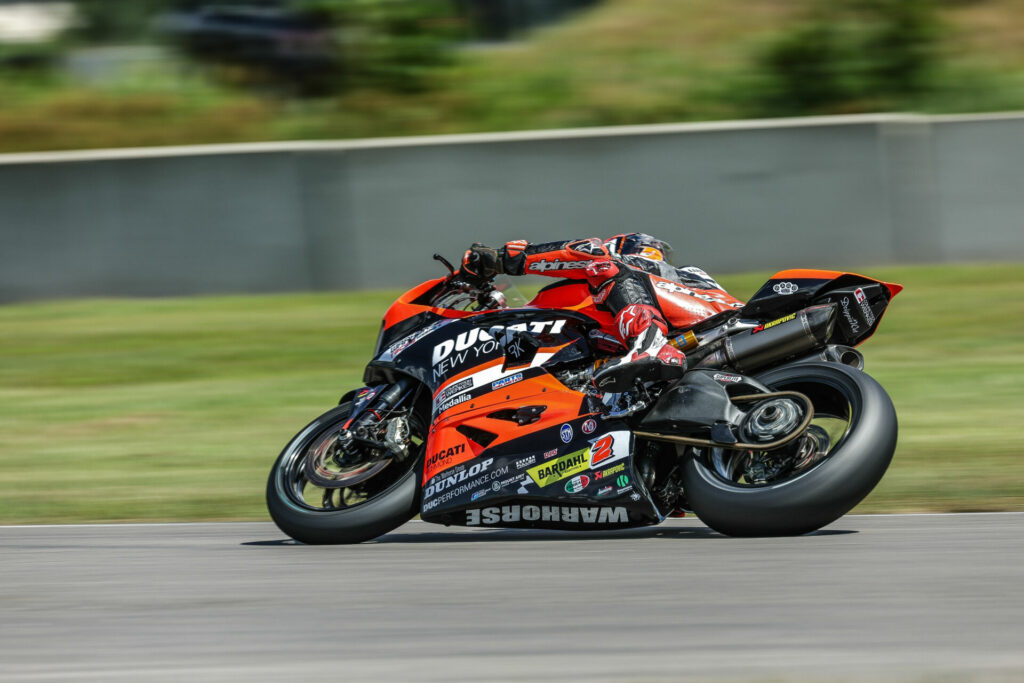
x,y
835,413
305,494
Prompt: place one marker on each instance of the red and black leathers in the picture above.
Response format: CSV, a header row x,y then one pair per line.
x,y
619,283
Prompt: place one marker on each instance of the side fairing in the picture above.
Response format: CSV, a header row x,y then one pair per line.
x,y
577,474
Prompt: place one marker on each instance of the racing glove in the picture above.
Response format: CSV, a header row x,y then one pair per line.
x,y
482,262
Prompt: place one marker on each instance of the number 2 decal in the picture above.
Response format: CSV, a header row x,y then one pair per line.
x,y
601,450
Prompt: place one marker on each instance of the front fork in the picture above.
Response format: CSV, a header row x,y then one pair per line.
x,y
373,405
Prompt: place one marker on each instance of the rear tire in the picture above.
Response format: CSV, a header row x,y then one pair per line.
x,y
825,492
385,511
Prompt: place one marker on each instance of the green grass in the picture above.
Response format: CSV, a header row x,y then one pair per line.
x,y
174,409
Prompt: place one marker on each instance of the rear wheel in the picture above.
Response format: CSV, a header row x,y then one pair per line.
x,y
311,513
838,461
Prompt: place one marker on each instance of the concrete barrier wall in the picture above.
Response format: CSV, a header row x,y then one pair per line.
x,y
837,192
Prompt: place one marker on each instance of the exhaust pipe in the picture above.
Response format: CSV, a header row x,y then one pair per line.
x,y
771,342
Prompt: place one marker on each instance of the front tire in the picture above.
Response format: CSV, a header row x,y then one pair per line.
x,y
291,499
810,499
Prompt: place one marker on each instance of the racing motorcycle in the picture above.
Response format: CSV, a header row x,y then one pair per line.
x,y
483,414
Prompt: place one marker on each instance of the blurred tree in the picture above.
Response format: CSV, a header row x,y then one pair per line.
x,y
903,44
805,69
107,21
850,55
392,44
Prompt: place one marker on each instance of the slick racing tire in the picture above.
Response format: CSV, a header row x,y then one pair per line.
x,y
392,500
851,464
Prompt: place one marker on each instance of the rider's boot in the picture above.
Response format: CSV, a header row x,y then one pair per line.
x,y
650,357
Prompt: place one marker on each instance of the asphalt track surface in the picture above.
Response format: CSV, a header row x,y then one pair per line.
x,y
916,598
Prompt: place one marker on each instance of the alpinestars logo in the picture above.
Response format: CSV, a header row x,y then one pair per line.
x,y
545,265
592,247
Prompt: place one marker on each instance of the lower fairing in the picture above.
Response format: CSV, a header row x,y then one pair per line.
x,y
588,481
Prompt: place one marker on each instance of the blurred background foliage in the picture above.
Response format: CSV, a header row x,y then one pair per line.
x,y
157,72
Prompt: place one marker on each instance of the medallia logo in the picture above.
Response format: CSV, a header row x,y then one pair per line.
x,y
566,433
577,484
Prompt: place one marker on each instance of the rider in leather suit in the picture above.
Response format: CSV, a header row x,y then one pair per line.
x,y
616,271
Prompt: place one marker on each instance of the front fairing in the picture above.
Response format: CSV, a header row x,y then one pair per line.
x,y
565,469
445,348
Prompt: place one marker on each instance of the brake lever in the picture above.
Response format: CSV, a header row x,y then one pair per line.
x,y
449,266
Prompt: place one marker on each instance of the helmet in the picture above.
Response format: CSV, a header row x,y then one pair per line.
x,y
640,244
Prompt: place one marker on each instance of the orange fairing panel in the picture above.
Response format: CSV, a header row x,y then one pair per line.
x,y
404,307
893,288
684,306
447,447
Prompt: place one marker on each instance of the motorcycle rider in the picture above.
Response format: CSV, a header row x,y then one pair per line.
x,y
616,271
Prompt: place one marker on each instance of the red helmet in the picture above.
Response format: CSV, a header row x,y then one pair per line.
x,y
640,244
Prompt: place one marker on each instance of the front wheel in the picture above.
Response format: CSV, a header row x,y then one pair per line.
x,y
312,514
841,458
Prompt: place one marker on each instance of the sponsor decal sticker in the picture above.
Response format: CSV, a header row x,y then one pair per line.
x,y
451,487
604,490
858,294
766,326
577,484
406,342
635,496
511,514
505,381
495,486
474,343
589,426
441,456
478,495
610,471
453,389
719,377
562,468
511,480
550,454
601,450
441,483
451,403
565,433
845,305
622,480
865,308
609,448
523,463
544,265
785,288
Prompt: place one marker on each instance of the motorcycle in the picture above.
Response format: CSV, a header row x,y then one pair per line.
x,y
481,414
